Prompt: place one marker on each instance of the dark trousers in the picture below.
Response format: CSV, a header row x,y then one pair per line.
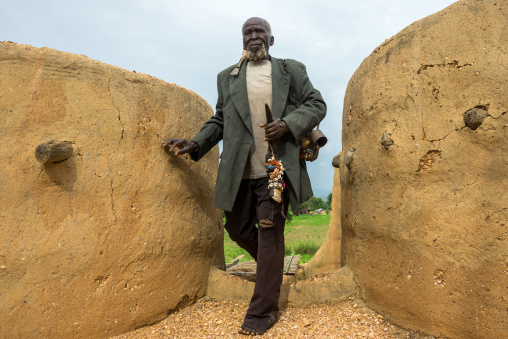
x,y
264,244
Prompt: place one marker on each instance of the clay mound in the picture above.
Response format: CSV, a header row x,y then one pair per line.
x,y
327,258
119,234
424,173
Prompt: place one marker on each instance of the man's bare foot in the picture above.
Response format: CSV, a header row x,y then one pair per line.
x,y
247,331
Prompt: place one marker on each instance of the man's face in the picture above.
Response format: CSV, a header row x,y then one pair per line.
x,y
256,39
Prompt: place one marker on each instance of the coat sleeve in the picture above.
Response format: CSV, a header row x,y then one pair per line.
x,y
211,132
312,107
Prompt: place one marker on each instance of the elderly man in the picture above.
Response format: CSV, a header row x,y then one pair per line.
x,y
253,219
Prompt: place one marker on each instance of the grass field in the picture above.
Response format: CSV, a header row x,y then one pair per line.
x,y
304,235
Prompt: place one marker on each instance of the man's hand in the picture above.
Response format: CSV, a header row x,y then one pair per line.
x,y
182,146
274,130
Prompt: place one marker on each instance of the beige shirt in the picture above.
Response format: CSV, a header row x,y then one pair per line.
x,y
259,92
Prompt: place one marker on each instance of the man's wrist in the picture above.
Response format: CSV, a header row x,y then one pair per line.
x,y
195,147
285,126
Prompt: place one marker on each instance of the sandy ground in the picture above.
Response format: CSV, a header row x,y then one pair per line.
x,y
221,319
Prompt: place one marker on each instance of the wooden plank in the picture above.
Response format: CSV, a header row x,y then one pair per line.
x,y
291,264
247,269
235,261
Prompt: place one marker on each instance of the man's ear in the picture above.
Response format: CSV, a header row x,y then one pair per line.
x,y
272,40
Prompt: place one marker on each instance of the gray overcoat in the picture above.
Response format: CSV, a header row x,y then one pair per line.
x,y
232,124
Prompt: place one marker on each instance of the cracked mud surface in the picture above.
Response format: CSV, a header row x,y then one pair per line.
x,y
426,210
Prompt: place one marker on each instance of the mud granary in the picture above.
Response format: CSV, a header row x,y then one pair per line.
x,y
111,238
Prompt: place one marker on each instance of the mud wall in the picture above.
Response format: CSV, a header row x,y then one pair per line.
x,y
327,258
424,173
120,233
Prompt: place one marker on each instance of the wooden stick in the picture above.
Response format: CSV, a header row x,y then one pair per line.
x,y
237,68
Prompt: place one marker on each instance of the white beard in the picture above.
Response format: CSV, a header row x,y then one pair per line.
x,y
260,54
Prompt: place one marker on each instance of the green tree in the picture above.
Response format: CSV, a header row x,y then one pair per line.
x,y
314,203
329,200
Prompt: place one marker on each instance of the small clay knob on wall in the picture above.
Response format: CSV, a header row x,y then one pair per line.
x,y
53,151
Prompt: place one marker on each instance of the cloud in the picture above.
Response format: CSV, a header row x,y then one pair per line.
x,y
189,42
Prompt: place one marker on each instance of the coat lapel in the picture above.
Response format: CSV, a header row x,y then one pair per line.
x,y
238,90
280,88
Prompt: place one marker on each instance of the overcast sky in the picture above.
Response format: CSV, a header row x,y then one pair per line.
x,y
189,42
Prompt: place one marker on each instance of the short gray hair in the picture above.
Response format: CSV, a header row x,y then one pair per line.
x,y
267,25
